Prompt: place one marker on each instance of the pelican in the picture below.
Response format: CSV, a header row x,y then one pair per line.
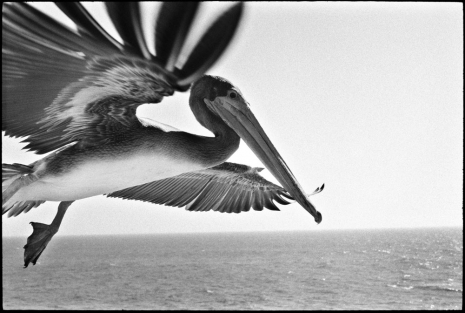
x,y
74,93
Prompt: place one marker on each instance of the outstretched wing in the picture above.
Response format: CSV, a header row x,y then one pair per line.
x,y
229,187
60,85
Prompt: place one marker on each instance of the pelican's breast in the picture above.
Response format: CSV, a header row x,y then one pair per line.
x,y
89,174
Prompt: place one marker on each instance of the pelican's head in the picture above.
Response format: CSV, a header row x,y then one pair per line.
x,y
227,102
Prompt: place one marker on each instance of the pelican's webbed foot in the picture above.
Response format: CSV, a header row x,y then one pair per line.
x,y
37,242
42,234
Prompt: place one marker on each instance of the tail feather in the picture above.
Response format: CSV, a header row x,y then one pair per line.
x,y
11,172
15,169
18,207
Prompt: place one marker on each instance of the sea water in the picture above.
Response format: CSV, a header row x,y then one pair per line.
x,y
369,269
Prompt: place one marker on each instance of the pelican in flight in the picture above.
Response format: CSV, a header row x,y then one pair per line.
x,y
73,94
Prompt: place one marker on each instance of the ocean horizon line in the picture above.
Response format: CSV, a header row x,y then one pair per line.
x,y
372,229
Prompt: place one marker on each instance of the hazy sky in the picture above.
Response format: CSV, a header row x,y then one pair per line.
x,y
364,97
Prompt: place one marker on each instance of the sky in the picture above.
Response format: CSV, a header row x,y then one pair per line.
x,y
366,98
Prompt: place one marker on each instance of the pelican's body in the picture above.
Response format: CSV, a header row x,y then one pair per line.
x,y
75,95
146,154
71,175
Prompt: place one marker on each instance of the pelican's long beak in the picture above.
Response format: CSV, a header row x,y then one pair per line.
x,y
236,113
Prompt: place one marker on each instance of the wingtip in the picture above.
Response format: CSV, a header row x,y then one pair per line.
x,y
212,45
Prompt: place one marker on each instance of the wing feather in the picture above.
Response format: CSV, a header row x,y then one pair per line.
x,y
72,91
24,14
246,203
277,197
257,201
174,21
126,18
268,197
225,205
180,186
87,25
229,187
217,202
203,202
61,85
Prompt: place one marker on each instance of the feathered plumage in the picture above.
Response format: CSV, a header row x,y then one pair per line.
x,y
229,187
74,93
85,86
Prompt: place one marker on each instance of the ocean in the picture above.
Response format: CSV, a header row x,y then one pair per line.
x,y
369,269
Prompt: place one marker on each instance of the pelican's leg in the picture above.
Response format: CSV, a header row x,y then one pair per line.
x,y
42,235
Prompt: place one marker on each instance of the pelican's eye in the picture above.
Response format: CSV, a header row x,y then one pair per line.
x,y
232,95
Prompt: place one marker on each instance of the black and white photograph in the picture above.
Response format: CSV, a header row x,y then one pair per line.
x,y
232,155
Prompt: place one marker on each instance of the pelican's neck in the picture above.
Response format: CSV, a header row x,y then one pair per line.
x,y
214,150
226,139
